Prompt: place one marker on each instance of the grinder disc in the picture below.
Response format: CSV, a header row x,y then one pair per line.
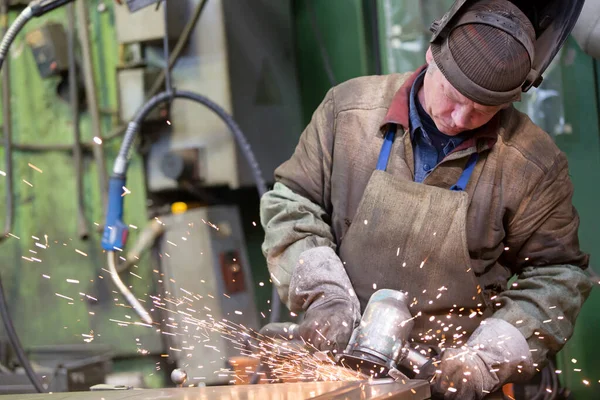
x,y
367,367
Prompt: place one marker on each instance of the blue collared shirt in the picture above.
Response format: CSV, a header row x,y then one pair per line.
x,y
426,154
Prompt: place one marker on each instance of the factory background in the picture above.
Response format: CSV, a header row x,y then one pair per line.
x,y
191,202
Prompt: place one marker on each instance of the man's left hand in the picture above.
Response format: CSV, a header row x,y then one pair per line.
x,y
495,354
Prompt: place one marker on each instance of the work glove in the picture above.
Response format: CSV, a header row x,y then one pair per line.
x,y
321,288
495,354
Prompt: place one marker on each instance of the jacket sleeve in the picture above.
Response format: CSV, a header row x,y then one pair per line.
x,y
296,213
543,249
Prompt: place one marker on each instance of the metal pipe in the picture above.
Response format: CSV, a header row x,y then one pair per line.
x,y
7,131
91,96
181,42
137,306
87,146
167,69
82,228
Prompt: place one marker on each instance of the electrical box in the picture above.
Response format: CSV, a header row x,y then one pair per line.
x,y
147,24
208,291
48,44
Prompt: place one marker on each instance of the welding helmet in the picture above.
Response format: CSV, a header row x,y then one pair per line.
x,y
469,45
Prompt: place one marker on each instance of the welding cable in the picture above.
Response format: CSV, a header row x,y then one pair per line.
x,y
82,227
16,343
7,131
12,32
137,306
120,166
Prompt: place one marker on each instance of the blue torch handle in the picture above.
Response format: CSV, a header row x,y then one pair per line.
x,y
115,230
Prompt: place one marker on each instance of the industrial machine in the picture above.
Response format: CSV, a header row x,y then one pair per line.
x,y
217,284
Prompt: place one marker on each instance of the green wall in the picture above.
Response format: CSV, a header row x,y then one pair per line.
x,y
583,150
344,33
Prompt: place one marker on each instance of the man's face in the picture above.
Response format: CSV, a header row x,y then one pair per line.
x,y
451,112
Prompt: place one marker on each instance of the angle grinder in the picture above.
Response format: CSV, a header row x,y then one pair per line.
x,y
379,346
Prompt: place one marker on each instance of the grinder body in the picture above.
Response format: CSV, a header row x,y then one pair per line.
x,y
379,346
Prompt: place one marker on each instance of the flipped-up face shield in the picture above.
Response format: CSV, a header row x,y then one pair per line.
x,y
552,20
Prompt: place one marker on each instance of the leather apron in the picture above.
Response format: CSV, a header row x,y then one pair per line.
x,y
411,237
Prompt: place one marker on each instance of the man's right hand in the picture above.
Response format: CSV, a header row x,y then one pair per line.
x,y
328,326
321,287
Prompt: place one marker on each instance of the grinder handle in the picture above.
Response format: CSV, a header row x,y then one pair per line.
x,y
282,330
415,361
428,370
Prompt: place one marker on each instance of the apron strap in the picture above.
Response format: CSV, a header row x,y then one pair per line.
x,y
386,151
386,148
462,182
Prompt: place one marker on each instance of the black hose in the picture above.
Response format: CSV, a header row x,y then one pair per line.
x,y
7,131
120,166
10,35
16,344
82,228
225,117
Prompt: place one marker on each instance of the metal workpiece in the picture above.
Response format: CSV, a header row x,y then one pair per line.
x,y
379,342
366,390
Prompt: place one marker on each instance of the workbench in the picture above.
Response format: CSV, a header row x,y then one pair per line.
x,y
357,390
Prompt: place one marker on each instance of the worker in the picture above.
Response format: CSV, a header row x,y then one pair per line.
x,y
432,183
